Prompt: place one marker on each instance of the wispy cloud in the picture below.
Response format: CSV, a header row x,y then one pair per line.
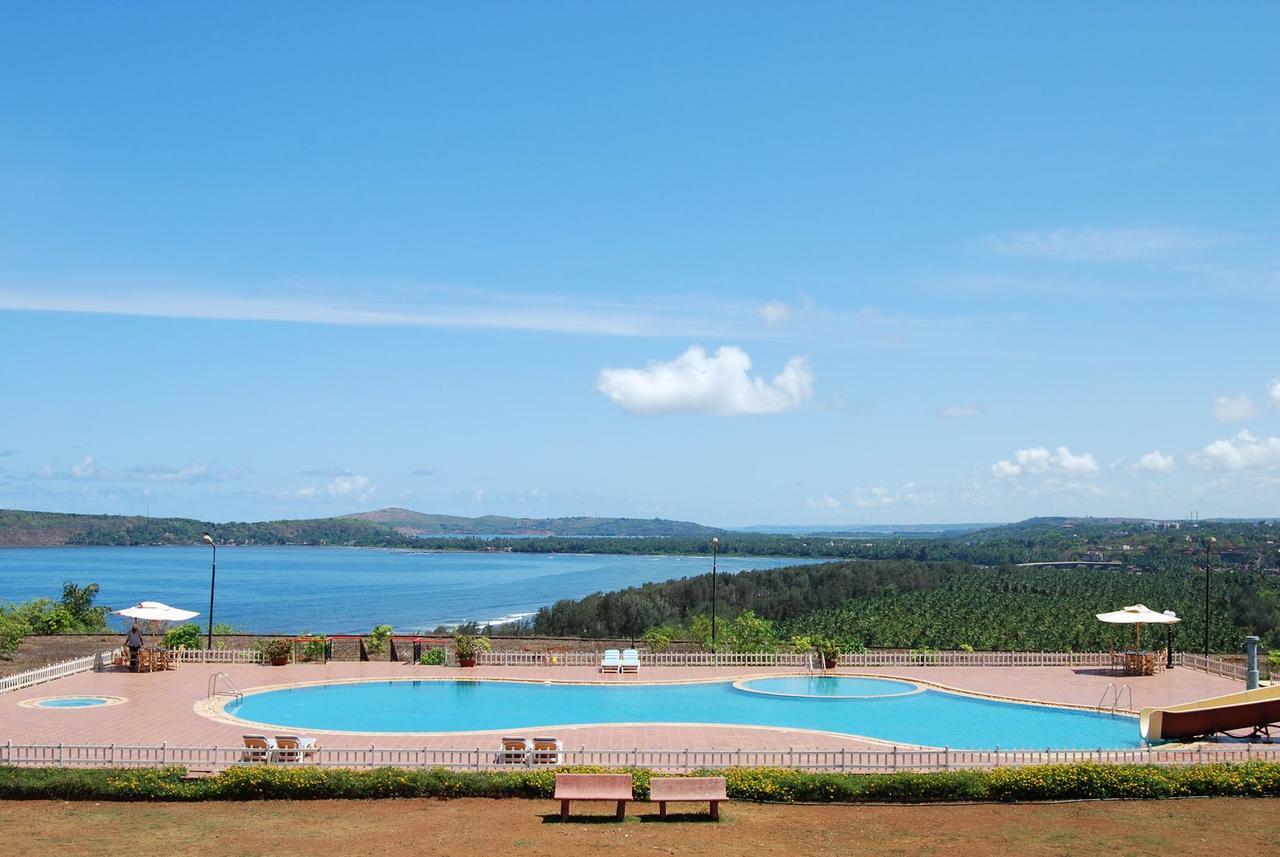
x,y
1273,392
1234,409
1155,462
696,382
88,469
960,411
1089,244
442,307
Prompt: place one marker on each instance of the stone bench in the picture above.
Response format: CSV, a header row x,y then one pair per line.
x,y
615,787
666,790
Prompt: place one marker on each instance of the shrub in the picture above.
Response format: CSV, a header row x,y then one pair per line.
x,y
433,658
657,639
274,649
184,635
468,646
312,648
781,785
12,630
378,638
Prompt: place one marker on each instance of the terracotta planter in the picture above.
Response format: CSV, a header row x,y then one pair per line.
x,y
466,662
830,663
280,662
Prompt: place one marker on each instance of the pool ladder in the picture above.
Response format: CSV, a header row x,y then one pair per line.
x,y
1115,694
220,684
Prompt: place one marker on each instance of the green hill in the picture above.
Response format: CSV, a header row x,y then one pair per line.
x,y
383,528
409,522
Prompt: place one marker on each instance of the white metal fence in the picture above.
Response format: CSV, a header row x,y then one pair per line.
x,y
479,758
854,659
220,656
1211,665
31,678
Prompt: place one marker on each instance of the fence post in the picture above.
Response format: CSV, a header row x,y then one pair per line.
x,y
895,757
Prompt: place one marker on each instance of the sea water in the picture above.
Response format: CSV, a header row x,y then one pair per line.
x,y
342,590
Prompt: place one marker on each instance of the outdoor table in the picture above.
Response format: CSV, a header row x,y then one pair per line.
x,y
1140,663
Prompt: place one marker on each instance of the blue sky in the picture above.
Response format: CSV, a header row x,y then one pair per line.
x,y
735,263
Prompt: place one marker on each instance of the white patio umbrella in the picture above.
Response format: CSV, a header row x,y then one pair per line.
x,y
155,613
1139,614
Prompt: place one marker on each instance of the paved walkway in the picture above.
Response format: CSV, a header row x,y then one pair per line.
x,y
166,706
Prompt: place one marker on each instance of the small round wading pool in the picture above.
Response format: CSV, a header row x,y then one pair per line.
x,y
897,712
828,687
72,703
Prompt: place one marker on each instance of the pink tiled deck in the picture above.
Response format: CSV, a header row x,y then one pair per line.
x,y
161,707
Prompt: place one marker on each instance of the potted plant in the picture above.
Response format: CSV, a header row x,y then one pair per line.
x,y
468,647
276,651
829,650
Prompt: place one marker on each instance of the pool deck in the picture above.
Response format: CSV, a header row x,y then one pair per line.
x,y
164,707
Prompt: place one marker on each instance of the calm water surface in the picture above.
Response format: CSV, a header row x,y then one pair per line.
x,y
341,590
932,718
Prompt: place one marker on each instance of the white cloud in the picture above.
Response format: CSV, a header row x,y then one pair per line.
x,y
1092,244
774,313
876,497
825,502
86,469
1155,462
1076,465
1234,409
351,485
960,411
1004,469
1273,392
697,383
306,491
374,305
1242,452
1038,459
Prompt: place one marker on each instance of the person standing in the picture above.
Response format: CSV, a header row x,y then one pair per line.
x,y
134,642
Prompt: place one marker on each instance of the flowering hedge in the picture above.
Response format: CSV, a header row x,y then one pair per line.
x,y
302,782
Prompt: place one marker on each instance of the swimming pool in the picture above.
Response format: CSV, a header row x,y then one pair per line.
x,y
908,714
72,702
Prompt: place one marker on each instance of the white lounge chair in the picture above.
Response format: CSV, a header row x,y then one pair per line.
x,y
630,661
547,751
258,748
291,748
515,751
611,662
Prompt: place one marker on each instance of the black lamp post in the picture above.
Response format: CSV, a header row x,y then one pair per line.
x,y
213,577
1208,546
715,546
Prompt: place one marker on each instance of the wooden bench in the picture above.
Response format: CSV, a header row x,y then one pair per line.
x,y
666,790
616,787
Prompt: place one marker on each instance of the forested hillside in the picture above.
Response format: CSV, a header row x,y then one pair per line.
x,y
907,604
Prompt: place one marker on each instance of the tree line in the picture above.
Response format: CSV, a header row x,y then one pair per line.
x,y
944,605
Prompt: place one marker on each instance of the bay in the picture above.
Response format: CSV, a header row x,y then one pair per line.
x,y
342,590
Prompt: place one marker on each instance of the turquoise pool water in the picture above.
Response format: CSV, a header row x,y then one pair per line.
x,y
73,702
829,686
931,718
